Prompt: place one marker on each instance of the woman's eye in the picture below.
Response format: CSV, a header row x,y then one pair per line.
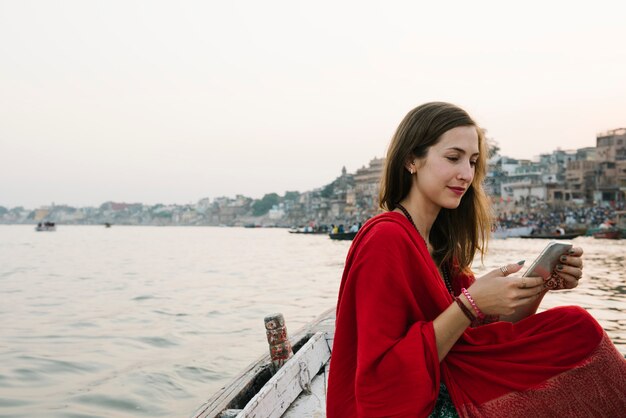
x,y
453,159
473,163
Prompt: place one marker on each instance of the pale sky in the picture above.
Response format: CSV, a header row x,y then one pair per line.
x,y
174,101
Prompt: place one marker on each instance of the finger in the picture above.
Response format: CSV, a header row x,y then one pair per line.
x,y
569,281
527,282
575,272
508,269
569,275
571,261
575,251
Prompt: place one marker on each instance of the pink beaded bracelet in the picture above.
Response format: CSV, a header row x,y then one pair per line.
x,y
479,313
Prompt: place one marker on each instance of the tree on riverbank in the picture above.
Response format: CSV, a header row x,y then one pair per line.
x,y
262,206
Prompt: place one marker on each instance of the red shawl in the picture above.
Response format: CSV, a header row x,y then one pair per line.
x,y
384,361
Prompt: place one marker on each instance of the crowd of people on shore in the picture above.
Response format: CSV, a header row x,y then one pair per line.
x,y
542,218
553,218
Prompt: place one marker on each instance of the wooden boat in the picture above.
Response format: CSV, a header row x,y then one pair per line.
x,y
304,231
608,234
570,235
45,226
612,229
343,236
297,389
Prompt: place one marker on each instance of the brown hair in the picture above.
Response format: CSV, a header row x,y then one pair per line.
x,y
457,233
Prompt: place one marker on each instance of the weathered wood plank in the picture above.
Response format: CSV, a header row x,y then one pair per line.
x,y
311,405
294,377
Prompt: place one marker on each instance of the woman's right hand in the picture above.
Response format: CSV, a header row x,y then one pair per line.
x,y
500,293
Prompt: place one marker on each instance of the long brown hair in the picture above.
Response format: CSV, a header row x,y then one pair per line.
x,y
459,233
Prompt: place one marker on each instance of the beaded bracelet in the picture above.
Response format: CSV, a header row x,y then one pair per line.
x,y
465,309
479,313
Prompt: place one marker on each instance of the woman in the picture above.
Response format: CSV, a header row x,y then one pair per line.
x,y
411,318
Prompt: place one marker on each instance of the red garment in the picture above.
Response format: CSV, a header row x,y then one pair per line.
x,y
385,363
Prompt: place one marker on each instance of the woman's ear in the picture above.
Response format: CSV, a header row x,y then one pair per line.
x,y
410,166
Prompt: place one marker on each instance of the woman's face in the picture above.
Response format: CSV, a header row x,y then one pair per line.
x,y
447,170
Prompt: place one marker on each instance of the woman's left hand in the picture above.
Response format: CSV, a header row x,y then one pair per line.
x,y
568,272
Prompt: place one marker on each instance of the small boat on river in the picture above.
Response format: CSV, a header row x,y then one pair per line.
x,y
45,226
612,229
308,230
608,234
343,236
297,389
566,236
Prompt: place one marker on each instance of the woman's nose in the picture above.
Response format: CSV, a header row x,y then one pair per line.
x,y
467,172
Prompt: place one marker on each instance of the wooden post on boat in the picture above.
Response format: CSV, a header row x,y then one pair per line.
x,y
280,348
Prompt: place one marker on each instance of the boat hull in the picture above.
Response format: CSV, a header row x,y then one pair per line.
x,y
552,236
45,228
615,234
343,236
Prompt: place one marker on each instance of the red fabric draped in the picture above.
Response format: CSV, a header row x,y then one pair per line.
x,y
385,362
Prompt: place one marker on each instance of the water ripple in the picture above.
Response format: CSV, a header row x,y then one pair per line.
x,y
158,341
4,402
119,404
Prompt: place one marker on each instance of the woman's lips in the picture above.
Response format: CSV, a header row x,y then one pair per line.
x,y
457,190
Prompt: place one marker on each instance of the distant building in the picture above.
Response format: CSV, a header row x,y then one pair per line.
x,y
366,188
277,212
203,205
498,169
554,167
611,151
525,185
41,214
580,179
342,187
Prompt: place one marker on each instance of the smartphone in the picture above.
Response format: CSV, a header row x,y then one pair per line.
x,y
544,265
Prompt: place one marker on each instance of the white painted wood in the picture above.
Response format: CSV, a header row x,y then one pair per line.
x,y
313,405
285,386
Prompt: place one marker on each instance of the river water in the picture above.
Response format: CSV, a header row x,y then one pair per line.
x,y
150,321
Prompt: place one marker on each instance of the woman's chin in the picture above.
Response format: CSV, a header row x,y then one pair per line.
x,y
451,204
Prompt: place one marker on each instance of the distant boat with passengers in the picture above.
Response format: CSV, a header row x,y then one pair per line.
x,y
46,226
